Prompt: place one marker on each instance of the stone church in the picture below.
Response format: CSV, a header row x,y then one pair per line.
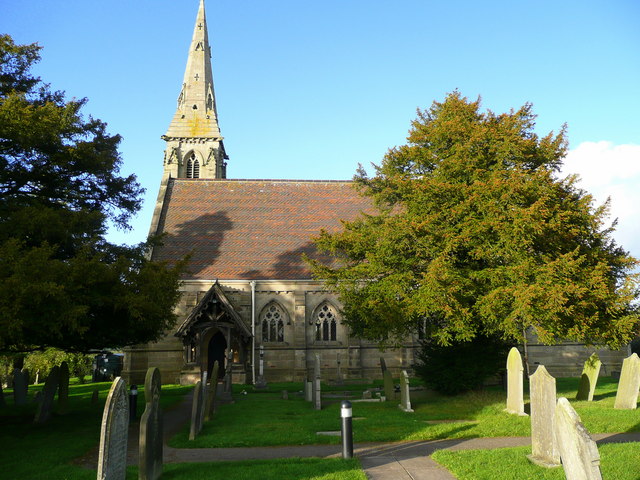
x,y
248,293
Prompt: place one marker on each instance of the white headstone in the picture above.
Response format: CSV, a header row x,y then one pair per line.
x,y
578,451
405,399
114,433
589,378
515,394
544,448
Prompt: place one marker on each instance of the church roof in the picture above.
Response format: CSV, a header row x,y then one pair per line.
x,y
251,229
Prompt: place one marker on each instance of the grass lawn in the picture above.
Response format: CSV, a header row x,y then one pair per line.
x,y
617,461
263,418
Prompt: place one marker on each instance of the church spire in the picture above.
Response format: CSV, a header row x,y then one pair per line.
x,y
194,144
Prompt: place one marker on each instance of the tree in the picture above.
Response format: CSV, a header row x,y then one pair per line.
x,y
476,233
61,283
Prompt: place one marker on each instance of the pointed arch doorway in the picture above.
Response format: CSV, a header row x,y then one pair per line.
x,y
216,350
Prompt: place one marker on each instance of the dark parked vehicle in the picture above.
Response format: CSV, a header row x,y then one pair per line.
x,y
107,366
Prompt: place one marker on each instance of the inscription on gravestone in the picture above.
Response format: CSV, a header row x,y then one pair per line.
x,y
578,451
515,394
627,394
114,433
63,389
196,407
150,444
589,378
45,406
405,399
544,448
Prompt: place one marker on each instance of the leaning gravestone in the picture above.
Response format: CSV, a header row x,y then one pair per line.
x,y
211,393
45,406
389,390
150,445
578,451
317,389
544,448
63,389
196,409
589,378
19,387
114,433
515,394
405,399
627,395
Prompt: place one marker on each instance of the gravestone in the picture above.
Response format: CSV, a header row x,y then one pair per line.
x,y
308,390
63,389
19,387
366,395
94,396
45,406
389,391
383,365
544,449
205,395
196,415
285,395
150,444
627,394
317,390
260,381
211,395
114,433
578,451
405,399
589,378
515,394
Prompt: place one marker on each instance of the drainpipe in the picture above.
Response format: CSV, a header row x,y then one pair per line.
x,y
253,331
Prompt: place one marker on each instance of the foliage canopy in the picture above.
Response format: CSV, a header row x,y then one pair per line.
x,y
61,283
476,232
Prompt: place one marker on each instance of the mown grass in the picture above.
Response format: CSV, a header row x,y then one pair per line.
x,y
618,461
262,418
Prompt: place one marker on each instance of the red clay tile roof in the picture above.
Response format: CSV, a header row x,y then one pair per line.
x,y
251,229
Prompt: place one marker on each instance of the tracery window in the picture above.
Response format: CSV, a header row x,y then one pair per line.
x,y
326,324
272,320
193,167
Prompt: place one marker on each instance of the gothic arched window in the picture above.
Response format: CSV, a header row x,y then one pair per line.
x,y
272,321
326,324
193,166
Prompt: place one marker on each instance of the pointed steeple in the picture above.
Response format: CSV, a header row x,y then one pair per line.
x,y
194,143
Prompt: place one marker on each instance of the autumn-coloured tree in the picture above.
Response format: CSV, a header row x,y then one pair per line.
x,y
477,232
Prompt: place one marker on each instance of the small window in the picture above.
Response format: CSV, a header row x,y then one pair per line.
x,y
193,167
326,324
272,321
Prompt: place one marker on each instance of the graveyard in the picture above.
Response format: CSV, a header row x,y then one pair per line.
x,y
81,430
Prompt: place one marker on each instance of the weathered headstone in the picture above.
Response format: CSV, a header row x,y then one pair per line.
x,y
19,387
389,390
627,394
317,390
211,393
94,396
405,399
578,451
205,395
589,378
114,433
63,389
196,415
150,444
260,381
45,406
544,448
515,393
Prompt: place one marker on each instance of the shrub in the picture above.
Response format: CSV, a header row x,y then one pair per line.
x,y
461,366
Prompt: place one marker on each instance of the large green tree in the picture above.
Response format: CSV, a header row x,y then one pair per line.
x,y
61,283
477,232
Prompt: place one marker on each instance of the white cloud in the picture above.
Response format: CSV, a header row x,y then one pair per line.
x,y
608,170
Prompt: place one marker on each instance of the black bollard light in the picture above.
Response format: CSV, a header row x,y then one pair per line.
x,y
347,429
133,402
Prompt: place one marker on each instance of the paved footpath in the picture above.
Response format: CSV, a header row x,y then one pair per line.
x,y
380,461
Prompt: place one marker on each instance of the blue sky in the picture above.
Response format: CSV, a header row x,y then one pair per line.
x,y
308,90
